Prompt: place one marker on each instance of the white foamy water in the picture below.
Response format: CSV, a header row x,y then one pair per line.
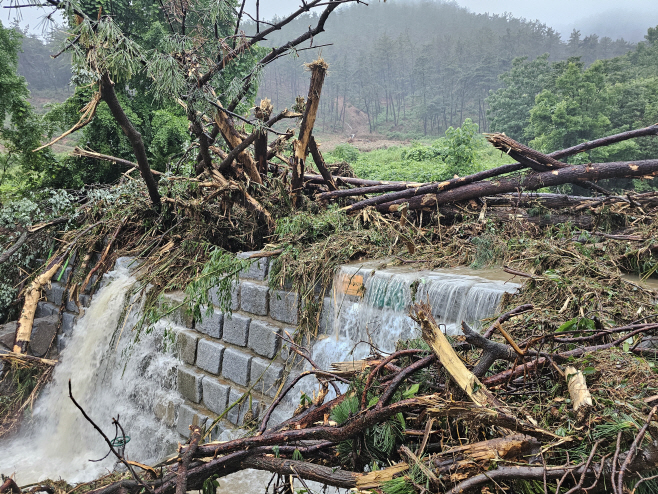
x,y
381,316
111,377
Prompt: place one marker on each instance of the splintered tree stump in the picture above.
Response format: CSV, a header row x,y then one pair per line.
x,y
318,71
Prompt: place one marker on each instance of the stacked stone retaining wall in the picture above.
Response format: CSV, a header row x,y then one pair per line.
x,y
224,355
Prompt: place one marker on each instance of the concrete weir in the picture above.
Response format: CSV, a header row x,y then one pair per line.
x,y
224,355
183,372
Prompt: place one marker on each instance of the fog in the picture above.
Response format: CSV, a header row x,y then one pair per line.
x,y
603,17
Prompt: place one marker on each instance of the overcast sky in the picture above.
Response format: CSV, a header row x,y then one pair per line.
x,y
606,17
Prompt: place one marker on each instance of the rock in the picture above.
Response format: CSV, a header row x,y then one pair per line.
x,y
7,333
44,330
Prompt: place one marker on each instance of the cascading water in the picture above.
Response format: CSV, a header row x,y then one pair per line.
x,y
380,316
111,377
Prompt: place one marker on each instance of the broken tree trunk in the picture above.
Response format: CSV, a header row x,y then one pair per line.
x,y
464,378
580,397
574,174
32,296
233,139
318,71
263,113
463,461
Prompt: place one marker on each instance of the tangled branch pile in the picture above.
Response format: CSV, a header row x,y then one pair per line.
x,y
571,413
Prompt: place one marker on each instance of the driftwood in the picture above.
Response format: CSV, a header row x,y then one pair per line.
x,y
580,397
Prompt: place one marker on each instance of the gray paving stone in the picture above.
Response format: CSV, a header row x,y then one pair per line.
x,y
236,329
269,383
215,395
254,298
211,324
71,306
263,338
85,300
189,384
283,306
90,286
165,410
258,269
209,356
68,322
235,296
44,330
188,416
45,309
62,274
236,366
326,325
237,413
54,293
186,343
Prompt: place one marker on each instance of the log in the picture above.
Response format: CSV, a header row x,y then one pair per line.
x,y
318,71
534,159
32,296
309,471
580,396
464,378
532,181
502,170
319,162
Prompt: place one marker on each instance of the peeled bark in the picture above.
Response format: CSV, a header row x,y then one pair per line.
x,y
318,72
32,296
231,136
580,397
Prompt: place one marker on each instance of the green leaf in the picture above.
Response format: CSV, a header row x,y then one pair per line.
x,y
411,392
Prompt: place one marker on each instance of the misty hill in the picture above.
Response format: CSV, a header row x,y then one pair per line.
x,y
417,68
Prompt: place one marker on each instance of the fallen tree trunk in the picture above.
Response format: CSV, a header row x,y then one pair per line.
x,y
532,181
501,170
32,296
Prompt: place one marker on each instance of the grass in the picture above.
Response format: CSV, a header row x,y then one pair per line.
x,y
418,161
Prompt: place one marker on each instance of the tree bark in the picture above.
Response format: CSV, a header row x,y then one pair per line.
x,y
109,96
532,181
300,146
319,162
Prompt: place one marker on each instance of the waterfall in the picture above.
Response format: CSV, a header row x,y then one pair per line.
x,y
379,312
112,376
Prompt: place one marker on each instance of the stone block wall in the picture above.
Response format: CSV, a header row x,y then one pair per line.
x,y
224,355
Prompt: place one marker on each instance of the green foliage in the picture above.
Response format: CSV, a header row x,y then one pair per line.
x,y
553,106
15,215
345,152
210,485
461,149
